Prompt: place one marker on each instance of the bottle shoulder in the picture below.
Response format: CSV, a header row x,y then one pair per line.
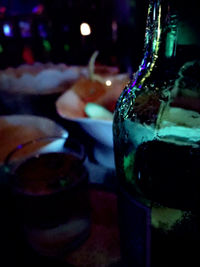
x,y
142,100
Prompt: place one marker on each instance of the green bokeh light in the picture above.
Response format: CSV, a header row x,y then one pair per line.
x,y
66,47
47,45
1,48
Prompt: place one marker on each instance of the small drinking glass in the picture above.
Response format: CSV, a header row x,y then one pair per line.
x,y
50,187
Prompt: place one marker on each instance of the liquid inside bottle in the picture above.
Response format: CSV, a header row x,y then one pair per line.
x,y
156,142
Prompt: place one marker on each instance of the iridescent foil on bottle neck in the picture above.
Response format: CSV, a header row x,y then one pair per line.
x,y
151,48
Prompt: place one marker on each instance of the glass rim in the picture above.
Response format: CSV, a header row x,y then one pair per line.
x,y
68,141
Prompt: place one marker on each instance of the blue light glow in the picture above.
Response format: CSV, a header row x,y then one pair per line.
x,y
7,30
42,30
38,9
25,28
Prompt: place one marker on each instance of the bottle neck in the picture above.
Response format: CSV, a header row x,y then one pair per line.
x,y
172,37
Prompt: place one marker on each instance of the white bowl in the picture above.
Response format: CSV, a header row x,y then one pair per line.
x,y
100,130
33,89
71,105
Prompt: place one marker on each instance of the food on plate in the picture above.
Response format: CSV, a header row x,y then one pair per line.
x,y
89,90
102,90
96,111
12,135
40,78
70,105
109,99
92,87
19,129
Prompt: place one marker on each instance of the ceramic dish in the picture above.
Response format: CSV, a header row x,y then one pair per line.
x,y
73,105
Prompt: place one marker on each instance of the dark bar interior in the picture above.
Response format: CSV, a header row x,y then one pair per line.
x,y
99,133
49,31
56,58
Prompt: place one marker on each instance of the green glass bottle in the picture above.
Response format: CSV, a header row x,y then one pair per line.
x,y
156,131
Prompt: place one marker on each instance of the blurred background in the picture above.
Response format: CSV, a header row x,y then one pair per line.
x,y
43,46
69,31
